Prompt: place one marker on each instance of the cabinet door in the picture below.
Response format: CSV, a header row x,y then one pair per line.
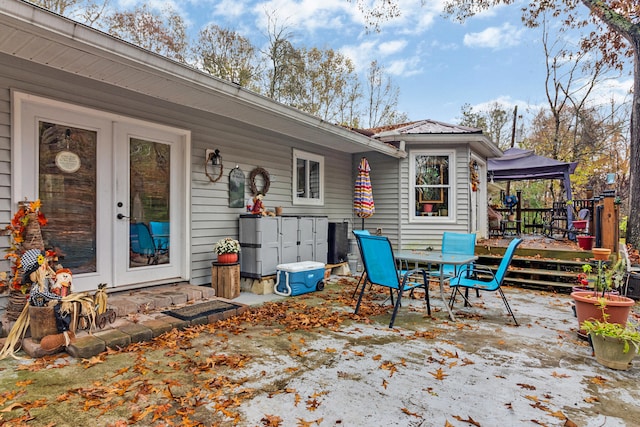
x,y
306,237
289,239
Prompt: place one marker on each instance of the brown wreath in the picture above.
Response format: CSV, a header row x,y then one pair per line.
x,y
252,181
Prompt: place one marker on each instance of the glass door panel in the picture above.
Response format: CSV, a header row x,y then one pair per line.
x,y
150,194
67,189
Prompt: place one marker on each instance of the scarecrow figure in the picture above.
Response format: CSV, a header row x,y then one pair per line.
x,y
62,285
258,206
40,276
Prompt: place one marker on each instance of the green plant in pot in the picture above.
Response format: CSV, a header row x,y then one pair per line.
x,y
587,301
614,345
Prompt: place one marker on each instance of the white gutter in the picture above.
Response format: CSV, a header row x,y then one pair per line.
x,y
77,36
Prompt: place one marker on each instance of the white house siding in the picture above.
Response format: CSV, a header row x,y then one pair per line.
x,y
212,219
239,144
420,235
5,176
385,183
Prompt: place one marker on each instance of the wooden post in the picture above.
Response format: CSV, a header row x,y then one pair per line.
x,y
609,223
225,279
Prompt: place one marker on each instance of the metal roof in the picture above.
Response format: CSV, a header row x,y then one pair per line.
x,y
424,127
40,36
433,131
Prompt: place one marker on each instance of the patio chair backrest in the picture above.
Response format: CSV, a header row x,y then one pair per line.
x,y
160,231
379,262
141,241
504,264
361,233
457,243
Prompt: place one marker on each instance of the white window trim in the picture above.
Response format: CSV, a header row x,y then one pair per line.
x,y
298,154
453,167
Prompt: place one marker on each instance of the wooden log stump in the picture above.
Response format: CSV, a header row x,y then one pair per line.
x,y
225,279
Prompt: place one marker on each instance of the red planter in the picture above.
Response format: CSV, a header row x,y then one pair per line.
x,y
618,307
585,242
580,224
227,258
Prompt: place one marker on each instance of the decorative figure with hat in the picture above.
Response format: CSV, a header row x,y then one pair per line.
x,y
38,274
62,284
258,206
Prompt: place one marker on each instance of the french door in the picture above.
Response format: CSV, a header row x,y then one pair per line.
x,y
113,191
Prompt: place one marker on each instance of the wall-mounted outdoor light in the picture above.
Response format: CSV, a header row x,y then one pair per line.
x,y
214,158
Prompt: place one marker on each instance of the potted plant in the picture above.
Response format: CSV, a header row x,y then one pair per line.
x,y
227,250
586,302
614,345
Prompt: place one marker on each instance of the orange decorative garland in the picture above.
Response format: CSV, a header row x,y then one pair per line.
x,y
16,232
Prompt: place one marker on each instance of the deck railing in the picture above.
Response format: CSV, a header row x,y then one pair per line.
x,y
534,220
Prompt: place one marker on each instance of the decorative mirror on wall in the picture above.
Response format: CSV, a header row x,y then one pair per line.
x,y
236,188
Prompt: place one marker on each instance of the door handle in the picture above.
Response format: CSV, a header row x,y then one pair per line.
x,y
121,216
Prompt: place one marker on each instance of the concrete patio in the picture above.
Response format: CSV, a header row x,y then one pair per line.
x,y
426,371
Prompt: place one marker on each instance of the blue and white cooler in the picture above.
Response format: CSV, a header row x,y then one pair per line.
x,y
299,278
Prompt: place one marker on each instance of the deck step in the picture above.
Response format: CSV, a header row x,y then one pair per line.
x,y
532,283
536,272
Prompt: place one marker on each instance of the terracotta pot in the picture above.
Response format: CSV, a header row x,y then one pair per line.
x,y
618,307
427,207
601,254
609,351
227,258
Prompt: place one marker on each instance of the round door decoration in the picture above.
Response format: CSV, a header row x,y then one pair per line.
x,y
68,161
252,181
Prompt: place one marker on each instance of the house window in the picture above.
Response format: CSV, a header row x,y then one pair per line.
x,y
432,184
308,178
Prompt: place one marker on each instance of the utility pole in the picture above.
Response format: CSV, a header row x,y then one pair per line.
x,y
513,139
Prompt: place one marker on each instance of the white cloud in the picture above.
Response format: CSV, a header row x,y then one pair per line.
x,y
230,9
417,16
307,15
361,54
616,90
405,67
448,46
392,46
495,37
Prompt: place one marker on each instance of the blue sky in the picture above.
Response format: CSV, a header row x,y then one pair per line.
x,y
438,64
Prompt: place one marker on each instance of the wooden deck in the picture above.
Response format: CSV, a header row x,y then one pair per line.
x,y
539,262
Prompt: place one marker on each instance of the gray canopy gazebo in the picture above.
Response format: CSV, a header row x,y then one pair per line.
x,y
518,164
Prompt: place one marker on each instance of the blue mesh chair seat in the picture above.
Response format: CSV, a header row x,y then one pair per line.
x,y
380,268
483,279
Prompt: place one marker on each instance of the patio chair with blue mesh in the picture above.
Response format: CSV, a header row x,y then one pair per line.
x,y
363,277
160,230
142,242
380,268
456,243
483,279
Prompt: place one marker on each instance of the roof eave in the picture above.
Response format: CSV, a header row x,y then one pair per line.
x,y
239,103
479,142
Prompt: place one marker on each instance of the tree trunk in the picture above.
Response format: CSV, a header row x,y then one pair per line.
x,y
633,222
